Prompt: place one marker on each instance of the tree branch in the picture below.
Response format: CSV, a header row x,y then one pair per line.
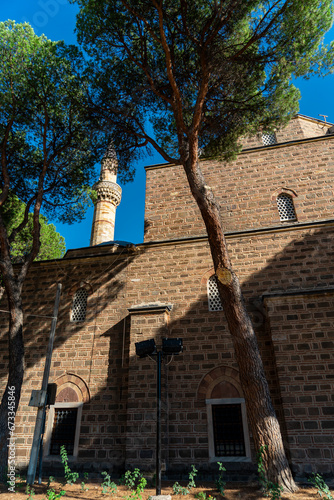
x,y
6,178
260,35
144,69
177,99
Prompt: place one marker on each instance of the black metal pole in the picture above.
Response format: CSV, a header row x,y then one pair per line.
x,y
40,412
158,450
40,465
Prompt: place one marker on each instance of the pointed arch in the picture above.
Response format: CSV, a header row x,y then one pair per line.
x,y
228,434
285,205
209,279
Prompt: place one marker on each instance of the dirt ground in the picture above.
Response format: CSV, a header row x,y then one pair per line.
x,y
233,491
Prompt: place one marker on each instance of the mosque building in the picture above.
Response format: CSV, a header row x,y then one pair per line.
x,y
277,205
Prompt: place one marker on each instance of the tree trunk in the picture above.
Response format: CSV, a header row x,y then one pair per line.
x,y
11,396
260,411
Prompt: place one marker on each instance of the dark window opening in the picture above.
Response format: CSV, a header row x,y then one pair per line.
x,y
63,431
228,430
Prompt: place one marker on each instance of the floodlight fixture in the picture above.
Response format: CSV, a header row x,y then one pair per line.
x,y
145,348
172,346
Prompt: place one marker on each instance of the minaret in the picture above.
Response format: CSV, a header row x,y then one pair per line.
x,y
109,195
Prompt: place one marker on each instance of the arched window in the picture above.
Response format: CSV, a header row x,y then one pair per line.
x,y
227,424
214,301
79,305
64,423
286,207
269,138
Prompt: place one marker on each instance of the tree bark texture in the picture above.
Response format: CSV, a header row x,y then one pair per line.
x,y
13,282
260,411
13,287
15,378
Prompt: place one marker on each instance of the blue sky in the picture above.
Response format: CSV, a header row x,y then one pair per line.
x,y
56,19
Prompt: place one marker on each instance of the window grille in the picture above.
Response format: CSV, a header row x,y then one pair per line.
x,y
286,208
269,138
63,431
213,295
79,305
228,430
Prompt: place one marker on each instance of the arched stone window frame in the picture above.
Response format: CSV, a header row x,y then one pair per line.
x,y
286,192
206,387
80,388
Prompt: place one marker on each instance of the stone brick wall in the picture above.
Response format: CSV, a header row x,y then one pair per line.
x,y
314,128
287,277
246,190
300,127
92,350
146,323
302,334
118,422
264,264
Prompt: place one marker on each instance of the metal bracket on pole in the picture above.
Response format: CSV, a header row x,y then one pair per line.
x,y
38,397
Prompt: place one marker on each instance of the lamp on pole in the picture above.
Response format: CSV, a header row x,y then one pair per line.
x,y
149,348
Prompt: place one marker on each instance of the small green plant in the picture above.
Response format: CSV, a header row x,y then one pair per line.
x,y
137,493
260,467
51,478
135,482
83,484
220,483
271,490
201,495
108,486
20,483
192,475
30,492
322,488
52,495
131,479
70,477
274,491
180,490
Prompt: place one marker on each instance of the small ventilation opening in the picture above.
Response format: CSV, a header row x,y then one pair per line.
x,y
79,305
269,138
214,301
286,208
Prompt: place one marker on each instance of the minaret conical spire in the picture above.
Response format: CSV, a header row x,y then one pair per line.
x,y
109,195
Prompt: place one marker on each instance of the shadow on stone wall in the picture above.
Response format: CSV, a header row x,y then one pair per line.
x,y
105,441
